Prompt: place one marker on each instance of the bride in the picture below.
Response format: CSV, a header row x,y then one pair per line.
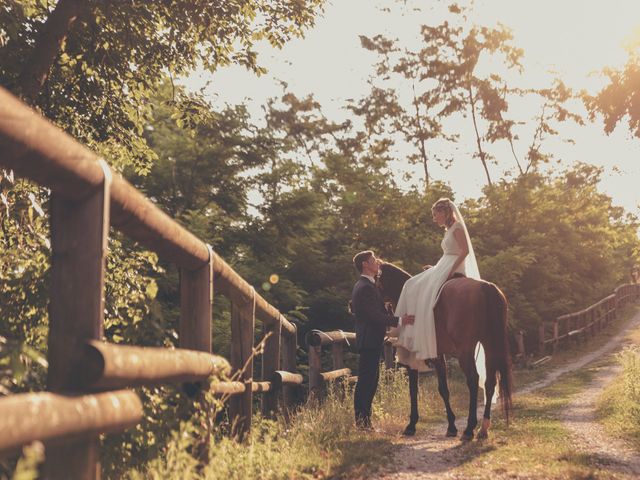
x,y
417,342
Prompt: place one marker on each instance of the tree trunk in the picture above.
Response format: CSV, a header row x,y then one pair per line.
x,y
421,142
481,153
48,44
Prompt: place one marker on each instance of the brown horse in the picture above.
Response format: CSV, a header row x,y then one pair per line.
x,y
468,311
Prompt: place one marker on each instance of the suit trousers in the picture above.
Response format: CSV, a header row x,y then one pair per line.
x,y
368,374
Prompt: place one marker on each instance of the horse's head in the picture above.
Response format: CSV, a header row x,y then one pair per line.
x,y
390,282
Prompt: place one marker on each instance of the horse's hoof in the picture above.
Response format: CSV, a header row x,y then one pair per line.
x,y
483,435
466,437
410,431
452,432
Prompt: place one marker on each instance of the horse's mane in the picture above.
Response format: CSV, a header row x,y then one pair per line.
x,y
392,279
392,269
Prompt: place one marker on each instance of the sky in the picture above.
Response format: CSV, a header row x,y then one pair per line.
x,y
575,38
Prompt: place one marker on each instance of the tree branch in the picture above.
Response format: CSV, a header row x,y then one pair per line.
x,y
47,47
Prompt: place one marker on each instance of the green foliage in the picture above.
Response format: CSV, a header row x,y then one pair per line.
x,y
630,360
619,405
618,101
554,244
27,466
24,267
98,85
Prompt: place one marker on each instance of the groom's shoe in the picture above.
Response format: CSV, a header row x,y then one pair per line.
x,y
364,423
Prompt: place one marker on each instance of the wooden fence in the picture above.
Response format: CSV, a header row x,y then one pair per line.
x,y
338,341
87,378
580,325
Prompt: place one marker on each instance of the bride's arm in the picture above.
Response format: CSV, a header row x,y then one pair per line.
x,y
461,238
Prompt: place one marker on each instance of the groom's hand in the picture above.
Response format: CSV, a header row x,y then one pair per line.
x,y
408,319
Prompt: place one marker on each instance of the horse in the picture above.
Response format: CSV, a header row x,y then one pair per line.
x,y
468,311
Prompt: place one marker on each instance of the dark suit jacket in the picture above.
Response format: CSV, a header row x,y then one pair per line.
x,y
372,319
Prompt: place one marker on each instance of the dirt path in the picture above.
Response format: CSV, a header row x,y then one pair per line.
x,y
430,455
590,437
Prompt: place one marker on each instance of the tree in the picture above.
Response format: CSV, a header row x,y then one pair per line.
x,y
443,78
620,99
91,66
554,243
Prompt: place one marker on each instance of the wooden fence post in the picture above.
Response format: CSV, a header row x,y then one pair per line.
x,y
289,352
271,363
79,236
521,350
242,333
541,339
556,335
196,302
195,331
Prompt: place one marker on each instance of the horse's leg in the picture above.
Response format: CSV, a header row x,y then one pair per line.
x,y
443,388
489,389
468,364
413,395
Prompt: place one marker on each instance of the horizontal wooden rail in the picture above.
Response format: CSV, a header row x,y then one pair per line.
x,y
236,388
316,338
335,374
38,150
106,366
260,387
281,377
27,417
227,388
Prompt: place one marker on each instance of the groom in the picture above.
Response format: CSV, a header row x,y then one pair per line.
x,y
372,321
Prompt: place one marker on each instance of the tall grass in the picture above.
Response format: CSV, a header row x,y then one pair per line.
x,y
619,405
319,441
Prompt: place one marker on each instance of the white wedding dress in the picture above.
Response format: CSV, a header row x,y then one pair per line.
x,y
417,342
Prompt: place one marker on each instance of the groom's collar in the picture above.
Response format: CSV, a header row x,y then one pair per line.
x,y
370,278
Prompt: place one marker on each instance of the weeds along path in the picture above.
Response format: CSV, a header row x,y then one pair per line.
x,y
430,455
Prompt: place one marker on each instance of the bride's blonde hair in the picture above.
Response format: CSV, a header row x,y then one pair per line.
x,y
444,205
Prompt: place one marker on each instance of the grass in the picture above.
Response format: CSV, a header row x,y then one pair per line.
x,y
319,442
536,445
619,405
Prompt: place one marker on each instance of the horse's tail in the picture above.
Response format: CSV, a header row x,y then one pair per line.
x,y
498,356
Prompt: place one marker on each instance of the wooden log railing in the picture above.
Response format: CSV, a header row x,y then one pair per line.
x,y
337,341
87,198
318,379
579,326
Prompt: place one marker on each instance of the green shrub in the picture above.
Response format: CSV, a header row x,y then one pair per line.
x,y
619,405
